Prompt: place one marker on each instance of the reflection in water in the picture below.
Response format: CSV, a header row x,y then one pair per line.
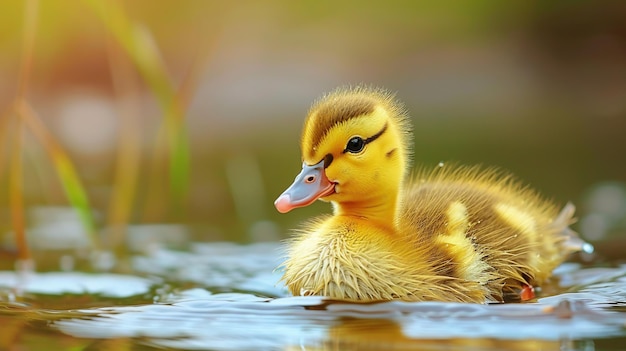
x,y
198,319
264,317
376,334
229,298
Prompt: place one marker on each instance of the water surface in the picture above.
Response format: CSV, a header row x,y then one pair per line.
x,y
224,296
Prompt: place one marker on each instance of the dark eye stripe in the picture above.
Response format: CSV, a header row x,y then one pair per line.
x,y
375,136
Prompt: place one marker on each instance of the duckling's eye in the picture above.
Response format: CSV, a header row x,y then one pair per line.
x,y
355,145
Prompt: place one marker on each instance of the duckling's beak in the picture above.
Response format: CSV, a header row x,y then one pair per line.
x,y
309,185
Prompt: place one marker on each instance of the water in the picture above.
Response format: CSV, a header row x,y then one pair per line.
x,y
223,296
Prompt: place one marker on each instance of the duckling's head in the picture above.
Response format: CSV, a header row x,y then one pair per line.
x,y
355,151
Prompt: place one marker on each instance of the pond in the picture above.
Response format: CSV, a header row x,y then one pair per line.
x,y
226,296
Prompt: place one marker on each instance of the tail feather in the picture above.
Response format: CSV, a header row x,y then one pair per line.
x,y
571,240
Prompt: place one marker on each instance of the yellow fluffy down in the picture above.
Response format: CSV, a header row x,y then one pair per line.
x,y
448,233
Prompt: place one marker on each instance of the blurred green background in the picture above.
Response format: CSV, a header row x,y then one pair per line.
x,y
535,87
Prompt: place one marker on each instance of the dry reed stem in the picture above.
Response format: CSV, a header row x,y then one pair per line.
x,y
16,196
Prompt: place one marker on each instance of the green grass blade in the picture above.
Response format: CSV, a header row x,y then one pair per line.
x,y
68,176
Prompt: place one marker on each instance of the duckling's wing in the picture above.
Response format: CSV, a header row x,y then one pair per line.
x,y
490,228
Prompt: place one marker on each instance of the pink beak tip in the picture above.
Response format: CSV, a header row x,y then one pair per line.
x,y
283,203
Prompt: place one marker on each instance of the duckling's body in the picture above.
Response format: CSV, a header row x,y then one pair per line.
x,y
450,233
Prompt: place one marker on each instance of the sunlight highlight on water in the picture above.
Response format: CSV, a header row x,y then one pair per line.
x,y
59,283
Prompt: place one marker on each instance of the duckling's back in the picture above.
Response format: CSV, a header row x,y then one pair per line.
x,y
488,227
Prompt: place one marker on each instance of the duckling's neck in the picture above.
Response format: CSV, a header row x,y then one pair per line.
x,y
381,210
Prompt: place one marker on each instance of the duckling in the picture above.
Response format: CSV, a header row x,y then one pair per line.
x,y
446,233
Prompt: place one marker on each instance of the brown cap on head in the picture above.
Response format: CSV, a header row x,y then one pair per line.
x,y
346,103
